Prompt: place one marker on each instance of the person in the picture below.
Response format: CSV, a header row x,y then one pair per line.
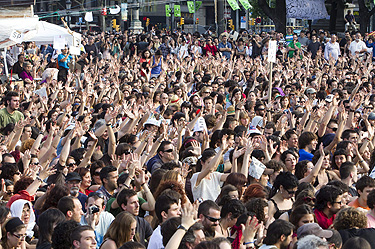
x,y
157,64
209,216
229,214
71,207
357,47
225,47
10,113
61,232
73,183
47,221
371,214
279,235
164,155
356,243
328,203
311,242
28,73
350,21
332,49
294,47
18,66
307,143
83,237
96,217
108,177
15,234
121,230
63,60
349,176
364,186
23,210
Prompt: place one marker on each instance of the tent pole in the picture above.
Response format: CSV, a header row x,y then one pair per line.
x,y
5,61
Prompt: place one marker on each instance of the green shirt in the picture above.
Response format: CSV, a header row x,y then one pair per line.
x,y
116,211
291,53
7,118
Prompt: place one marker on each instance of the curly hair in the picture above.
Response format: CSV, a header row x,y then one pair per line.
x,y
22,184
53,196
61,234
8,170
349,218
174,185
27,144
285,179
257,206
254,190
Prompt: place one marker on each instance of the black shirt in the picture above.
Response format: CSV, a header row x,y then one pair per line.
x,y
17,68
313,48
365,233
143,230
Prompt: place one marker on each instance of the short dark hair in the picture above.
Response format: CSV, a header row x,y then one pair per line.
x,y
205,207
326,194
132,245
233,206
122,197
189,236
165,201
363,182
168,228
371,199
346,134
77,233
9,95
276,229
104,173
162,146
306,138
66,204
345,169
61,234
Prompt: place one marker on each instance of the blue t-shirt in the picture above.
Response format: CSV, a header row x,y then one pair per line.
x,y
304,155
65,63
225,53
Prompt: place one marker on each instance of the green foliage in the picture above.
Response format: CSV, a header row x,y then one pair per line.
x,y
255,10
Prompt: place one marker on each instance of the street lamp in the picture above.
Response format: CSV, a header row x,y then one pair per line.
x,y
68,6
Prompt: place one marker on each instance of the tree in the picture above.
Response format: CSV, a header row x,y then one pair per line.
x,y
364,18
255,10
277,14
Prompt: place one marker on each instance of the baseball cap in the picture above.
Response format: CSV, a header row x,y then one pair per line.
x,y
310,90
315,229
73,176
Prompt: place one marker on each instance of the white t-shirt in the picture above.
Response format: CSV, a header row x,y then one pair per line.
x,y
357,46
156,239
208,189
332,49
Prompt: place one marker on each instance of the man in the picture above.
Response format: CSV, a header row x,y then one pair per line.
x,y
260,111
350,20
327,131
73,183
225,47
209,216
279,235
303,39
313,46
294,47
83,237
10,114
312,242
96,217
164,47
269,129
108,176
328,203
209,105
167,205
364,186
357,47
291,138
350,135
332,49
71,207
164,154
348,174
344,41
18,66
127,199
91,48
307,144
63,59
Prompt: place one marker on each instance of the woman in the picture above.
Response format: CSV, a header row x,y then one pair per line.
x,y
301,215
238,180
283,191
120,231
145,57
86,180
236,98
47,221
15,234
23,209
324,176
228,192
240,49
260,207
254,190
157,64
27,75
289,158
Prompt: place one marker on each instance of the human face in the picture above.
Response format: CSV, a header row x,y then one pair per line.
x,y
261,110
199,237
307,218
268,132
133,227
71,164
167,153
293,141
77,211
208,104
25,217
263,180
353,138
86,180
326,162
98,202
290,163
339,160
211,220
287,193
174,210
14,103
87,240
112,180
363,194
132,205
15,239
27,131
164,98
96,177
73,186
286,242
336,205
233,194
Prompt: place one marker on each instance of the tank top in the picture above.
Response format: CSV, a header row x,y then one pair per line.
x,y
157,69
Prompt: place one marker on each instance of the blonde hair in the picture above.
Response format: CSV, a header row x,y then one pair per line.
x,y
170,175
120,229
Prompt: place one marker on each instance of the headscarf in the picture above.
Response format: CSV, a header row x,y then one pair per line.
x,y
16,211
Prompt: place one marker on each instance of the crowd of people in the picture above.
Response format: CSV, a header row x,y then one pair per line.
x,y
159,140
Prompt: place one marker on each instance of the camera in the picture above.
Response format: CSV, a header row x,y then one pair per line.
x,y
93,209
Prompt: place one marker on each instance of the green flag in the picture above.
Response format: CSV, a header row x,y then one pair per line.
x,y
190,5
245,4
233,4
167,10
177,11
199,3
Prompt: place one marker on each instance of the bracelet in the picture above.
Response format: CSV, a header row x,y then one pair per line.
x,y
250,242
350,110
109,124
39,179
143,184
182,227
126,186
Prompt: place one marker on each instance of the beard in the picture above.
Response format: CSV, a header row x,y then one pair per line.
x,y
74,191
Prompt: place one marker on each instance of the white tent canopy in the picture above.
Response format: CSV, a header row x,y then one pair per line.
x,y
40,32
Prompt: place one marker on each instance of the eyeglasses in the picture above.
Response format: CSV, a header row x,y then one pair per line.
x,y
206,92
18,236
309,199
98,194
333,128
291,192
70,164
170,150
97,173
127,152
212,219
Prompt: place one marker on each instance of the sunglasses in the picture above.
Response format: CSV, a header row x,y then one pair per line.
x,y
170,150
212,219
309,199
36,163
17,173
70,164
333,128
127,152
98,194
19,236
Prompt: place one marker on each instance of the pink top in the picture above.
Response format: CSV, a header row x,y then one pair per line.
x,y
370,221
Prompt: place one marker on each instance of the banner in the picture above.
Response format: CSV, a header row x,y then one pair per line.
x,y
124,12
245,4
233,4
177,11
167,10
190,5
199,3
306,9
